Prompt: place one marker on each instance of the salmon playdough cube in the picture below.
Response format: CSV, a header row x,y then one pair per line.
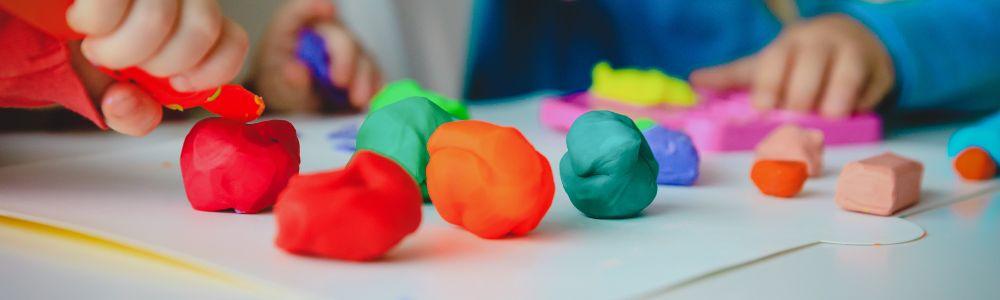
x,y
880,185
791,142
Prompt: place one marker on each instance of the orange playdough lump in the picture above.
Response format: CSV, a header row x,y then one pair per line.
x,y
488,179
779,178
975,163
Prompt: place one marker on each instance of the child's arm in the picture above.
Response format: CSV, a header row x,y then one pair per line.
x,y
946,53
932,52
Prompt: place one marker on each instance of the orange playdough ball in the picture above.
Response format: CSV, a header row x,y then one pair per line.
x,y
779,178
975,164
488,179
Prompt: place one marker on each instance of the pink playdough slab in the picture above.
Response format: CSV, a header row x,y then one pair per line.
x,y
721,122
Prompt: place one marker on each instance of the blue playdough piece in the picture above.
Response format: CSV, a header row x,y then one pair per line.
x,y
311,51
676,155
985,134
343,139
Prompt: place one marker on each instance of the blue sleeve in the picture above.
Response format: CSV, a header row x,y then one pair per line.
x,y
946,53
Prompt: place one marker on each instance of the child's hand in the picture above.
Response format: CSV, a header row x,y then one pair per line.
x,y
125,107
832,64
282,78
188,41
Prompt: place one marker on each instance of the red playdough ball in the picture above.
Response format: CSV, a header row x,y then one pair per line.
x,y
357,213
231,165
488,179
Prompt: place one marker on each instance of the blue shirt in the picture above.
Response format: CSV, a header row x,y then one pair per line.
x,y
946,53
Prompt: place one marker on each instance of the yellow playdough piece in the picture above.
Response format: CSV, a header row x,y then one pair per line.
x,y
640,87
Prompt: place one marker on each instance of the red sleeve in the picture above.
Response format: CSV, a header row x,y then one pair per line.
x,y
35,70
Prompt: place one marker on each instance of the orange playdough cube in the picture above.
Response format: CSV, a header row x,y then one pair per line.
x,y
880,185
779,178
488,179
975,163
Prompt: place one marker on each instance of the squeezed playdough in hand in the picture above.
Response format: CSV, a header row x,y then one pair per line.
x,y
230,165
608,171
356,213
488,179
400,131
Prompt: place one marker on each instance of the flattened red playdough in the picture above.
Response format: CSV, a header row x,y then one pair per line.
x,y
357,213
488,179
227,164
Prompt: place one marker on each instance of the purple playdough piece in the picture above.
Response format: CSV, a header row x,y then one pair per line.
x,y
676,155
311,51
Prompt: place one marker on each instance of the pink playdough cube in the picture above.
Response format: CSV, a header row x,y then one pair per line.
x,y
880,185
791,142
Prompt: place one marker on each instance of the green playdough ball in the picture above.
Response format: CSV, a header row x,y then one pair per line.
x,y
407,88
400,131
608,171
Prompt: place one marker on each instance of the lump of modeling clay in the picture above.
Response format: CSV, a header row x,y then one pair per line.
x,y
402,89
976,149
791,142
488,179
640,87
975,163
311,51
400,131
357,213
879,185
226,164
608,170
676,155
779,178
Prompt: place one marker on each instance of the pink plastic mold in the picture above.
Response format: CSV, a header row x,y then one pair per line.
x,y
721,122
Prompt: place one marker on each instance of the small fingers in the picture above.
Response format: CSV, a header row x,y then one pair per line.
x,y
198,27
96,17
729,76
771,69
880,85
220,66
130,111
139,36
847,76
366,81
805,80
344,51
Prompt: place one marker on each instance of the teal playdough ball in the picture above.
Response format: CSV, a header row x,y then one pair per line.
x,y
400,131
608,170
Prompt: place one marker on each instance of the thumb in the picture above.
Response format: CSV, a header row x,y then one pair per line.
x,y
733,75
129,110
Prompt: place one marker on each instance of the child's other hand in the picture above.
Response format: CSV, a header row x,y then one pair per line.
x,y
281,77
188,41
831,63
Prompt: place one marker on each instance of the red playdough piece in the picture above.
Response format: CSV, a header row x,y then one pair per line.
x,y
779,178
356,213
975,163
229,101
488,179
230,165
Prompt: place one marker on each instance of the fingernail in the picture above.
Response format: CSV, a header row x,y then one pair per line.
x,y
181,83
120,105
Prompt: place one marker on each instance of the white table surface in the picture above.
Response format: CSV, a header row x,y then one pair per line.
x,y
957,258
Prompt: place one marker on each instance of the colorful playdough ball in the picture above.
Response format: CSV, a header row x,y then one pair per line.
x,y
975,163
407,88
779,178
675,154
608,171
791,142
400,131
488,179
879,185
227,164
984,136
357,213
